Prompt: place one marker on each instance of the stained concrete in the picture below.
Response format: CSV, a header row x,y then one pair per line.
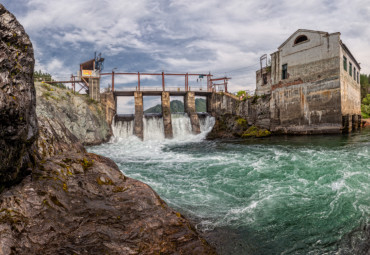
x,y
166,114
109,105
139,114
94,88
189,104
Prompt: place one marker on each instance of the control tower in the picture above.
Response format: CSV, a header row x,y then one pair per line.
x,y
90,74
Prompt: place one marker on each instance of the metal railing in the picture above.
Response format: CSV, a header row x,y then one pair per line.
x,y
172,89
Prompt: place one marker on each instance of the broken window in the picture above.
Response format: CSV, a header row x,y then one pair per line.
x,y
345,63
264,78
285,72
350,68
301,38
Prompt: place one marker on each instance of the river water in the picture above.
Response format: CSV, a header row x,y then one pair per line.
x,y
278,195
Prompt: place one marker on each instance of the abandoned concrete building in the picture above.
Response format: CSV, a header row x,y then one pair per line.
x,y
314,85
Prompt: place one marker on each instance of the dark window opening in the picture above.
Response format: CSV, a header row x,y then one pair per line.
x,y
285,72
345,63
358,77
301,38
264,77
354,73
350,68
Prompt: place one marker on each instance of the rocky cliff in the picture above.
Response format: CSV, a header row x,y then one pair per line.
x,y
73,202
83,117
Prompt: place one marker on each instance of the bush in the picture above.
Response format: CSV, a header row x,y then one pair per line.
x,y
365,107
254,131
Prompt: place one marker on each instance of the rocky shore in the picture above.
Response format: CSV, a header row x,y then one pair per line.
x,y
55,198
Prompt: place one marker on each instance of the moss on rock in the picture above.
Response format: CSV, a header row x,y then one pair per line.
x,y
254,131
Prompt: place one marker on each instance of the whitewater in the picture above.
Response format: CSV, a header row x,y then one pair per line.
x,y
278,195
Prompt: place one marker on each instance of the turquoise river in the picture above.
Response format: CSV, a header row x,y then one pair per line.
x,y
278,195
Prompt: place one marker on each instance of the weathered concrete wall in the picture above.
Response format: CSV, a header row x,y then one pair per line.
x,y
139,114
166,114
189,105
94,89
307,108
350,86
109,104
263,81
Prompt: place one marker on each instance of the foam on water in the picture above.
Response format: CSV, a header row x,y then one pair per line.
x,y
275,196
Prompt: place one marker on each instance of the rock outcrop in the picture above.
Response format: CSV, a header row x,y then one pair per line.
x,y
74,202
235,117
81,115
83,204
18,124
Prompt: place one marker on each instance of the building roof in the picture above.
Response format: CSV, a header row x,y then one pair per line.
x,y
303,30
88,65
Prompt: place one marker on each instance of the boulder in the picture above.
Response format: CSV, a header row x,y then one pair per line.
x,y
18,123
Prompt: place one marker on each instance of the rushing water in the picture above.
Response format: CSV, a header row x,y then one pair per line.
x,y
279,195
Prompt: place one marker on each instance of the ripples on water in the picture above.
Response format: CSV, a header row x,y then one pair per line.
x,y
280,195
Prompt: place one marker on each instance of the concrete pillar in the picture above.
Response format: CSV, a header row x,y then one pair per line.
x,y
355,122
139,114
189,104
94,89
166,114
359,124
108,101
347,123
210,104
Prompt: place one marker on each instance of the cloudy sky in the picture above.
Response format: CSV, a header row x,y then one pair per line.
x,y
217,36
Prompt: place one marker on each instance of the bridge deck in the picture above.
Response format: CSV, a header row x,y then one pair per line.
x,y
159,93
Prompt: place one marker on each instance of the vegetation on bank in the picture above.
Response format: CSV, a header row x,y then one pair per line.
x,y
254,131
365,107
365,95
39,76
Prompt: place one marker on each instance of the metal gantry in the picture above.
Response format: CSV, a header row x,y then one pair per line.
x,y
163,75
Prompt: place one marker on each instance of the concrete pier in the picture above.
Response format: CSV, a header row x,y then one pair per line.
x,y
139,113
355,122
94,89
166,113
347,123
189,104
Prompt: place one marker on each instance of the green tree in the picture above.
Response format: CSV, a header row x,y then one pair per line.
x,y
365,107
365,85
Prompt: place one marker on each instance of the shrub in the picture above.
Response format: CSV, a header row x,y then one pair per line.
x,y
365,107
254,131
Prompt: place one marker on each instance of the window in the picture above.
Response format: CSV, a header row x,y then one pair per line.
x,y
350,68
358,77
300,39
345,63
284,74
264,77
354,73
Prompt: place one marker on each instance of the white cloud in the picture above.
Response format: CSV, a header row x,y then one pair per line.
x,y
190,35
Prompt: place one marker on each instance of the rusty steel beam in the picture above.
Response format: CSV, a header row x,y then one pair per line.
x,y
54,82
158,74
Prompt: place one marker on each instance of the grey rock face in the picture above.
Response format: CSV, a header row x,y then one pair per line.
x,y
18,123
82,116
